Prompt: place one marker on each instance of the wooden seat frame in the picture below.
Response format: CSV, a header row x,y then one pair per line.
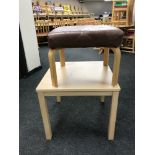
x,y
116,64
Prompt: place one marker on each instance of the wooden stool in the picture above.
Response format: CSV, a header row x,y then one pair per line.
x,y
82,78
85,36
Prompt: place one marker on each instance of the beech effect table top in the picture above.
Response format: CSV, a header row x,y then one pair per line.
x,y
79,76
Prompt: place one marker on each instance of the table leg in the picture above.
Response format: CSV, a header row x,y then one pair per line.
x,y
112,116
45,116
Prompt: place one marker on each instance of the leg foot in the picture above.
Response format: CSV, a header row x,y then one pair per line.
x,y
102,99
112,116
58,99
45,116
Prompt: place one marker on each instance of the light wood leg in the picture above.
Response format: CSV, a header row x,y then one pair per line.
x,y
102,99
112,116
62,57
106,56
116,65
58,99
45,116
52,67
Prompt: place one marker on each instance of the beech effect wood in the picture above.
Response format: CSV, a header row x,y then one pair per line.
x,y
58,99
92,83
62,57
113,114
52,67
116,65
102,99
45,116
80,76
106,56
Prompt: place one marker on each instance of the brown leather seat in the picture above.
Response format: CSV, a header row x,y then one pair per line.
x,y
85,36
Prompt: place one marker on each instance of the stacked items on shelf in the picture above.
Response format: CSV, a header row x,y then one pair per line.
x,y
120,10
128,43
57,11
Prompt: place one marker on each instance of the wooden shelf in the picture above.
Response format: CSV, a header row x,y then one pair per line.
x,y
129,37
128,51
120,9
42,34
61,15
131,29
128,43
130,48
119,21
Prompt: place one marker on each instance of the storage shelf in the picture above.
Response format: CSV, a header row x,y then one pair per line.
x,y
119,21
129,37
120,9
130,48
61,15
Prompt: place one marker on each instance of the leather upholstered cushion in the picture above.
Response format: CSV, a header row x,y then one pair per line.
x,y
85,36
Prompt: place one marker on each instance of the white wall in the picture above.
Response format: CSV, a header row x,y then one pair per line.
x,y
28,34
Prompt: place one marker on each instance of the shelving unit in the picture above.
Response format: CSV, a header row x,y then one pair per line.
x,y
120,10
122,18
128,43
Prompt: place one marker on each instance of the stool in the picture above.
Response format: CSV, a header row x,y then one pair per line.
x,y
82,37
97,78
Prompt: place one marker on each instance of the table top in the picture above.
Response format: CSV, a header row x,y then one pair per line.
x,y
79,76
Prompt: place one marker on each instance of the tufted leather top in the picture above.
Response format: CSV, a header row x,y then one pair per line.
x,y
85,36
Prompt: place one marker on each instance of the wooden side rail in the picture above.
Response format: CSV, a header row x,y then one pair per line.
x,y
116,64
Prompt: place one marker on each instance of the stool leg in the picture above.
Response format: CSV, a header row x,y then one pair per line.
x,y
102,99
58,99
62,57
52,67
45,116
106,56
116,65
113,114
